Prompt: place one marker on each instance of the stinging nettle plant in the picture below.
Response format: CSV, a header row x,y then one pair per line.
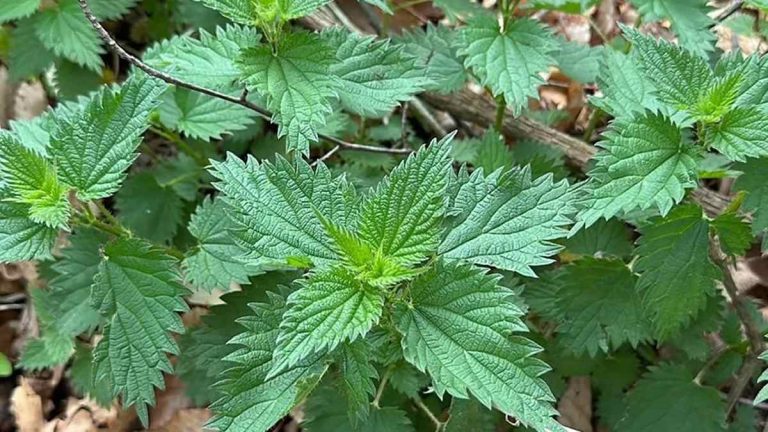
x,y
401,286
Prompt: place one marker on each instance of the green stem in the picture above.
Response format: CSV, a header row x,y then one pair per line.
x,y
424,408
180,143
107,214
382,386
501,110
594,119
103,227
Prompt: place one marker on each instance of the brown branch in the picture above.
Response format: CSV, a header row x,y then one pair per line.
x,y
729,10
237,100
480,109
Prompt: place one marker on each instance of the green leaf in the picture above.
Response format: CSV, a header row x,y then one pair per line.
x,y
73,80
734,233
80,374
492,152
29,179
689,19
754,82
374,76
667,399
626,90
27,56
207,61
203,117
467,414
215,263
401,217
297,81
327,309
753,183
681,78
17,9
762,395
508,61
357,379
93,149
676,273
435,53
288,196
107,10
148,209
20,238
644,162
239,11
138,293
52,349
6,368
579,61
64,30
605,237
507,220
457,326
251,401
599,307
717,101
740,134
324,414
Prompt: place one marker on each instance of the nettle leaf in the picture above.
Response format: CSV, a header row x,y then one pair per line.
x,y
13,10
215,262
27,56
579,61
50,350
467,414
297,80
251,401
646,161
668,399
507,220
208,60
741,133
93,149
762,395
111,9
326,309
239,11
64,30
137,290
30,179
357,378
626,90
325,414
604,238
287,196
752,181
676,273
401,217
734,233
753,91
510,61
492,152
203,117
680,77
457,326
689,18
20,238
373,75
599,307
436,55
152,211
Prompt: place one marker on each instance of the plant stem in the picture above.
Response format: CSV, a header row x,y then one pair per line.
x,y
382,385
425,409
594,119
176,140
501,110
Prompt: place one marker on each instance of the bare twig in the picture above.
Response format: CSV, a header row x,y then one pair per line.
x,y
237,100
730,10
326,156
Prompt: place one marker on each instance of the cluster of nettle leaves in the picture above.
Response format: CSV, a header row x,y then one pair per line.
x,y
377,293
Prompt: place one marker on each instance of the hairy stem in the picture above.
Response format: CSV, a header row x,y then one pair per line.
x,y
262,112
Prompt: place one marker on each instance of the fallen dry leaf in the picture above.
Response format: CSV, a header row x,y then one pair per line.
x,y
575,406
27,407
186,420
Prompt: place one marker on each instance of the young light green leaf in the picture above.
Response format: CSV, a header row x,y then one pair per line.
x,y
148,209
208,60
401,217
30,179
741,133
668,399
93,149
14,10
20,238
215,262
328,308
137,290
647,161
373,75
507,221
297,80
689,19
288,197
599,307
508,61
64,30
457,327
435,53
676,273
680,77
251,401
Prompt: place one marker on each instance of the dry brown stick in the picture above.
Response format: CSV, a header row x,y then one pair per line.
x,y
478,108
242,101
